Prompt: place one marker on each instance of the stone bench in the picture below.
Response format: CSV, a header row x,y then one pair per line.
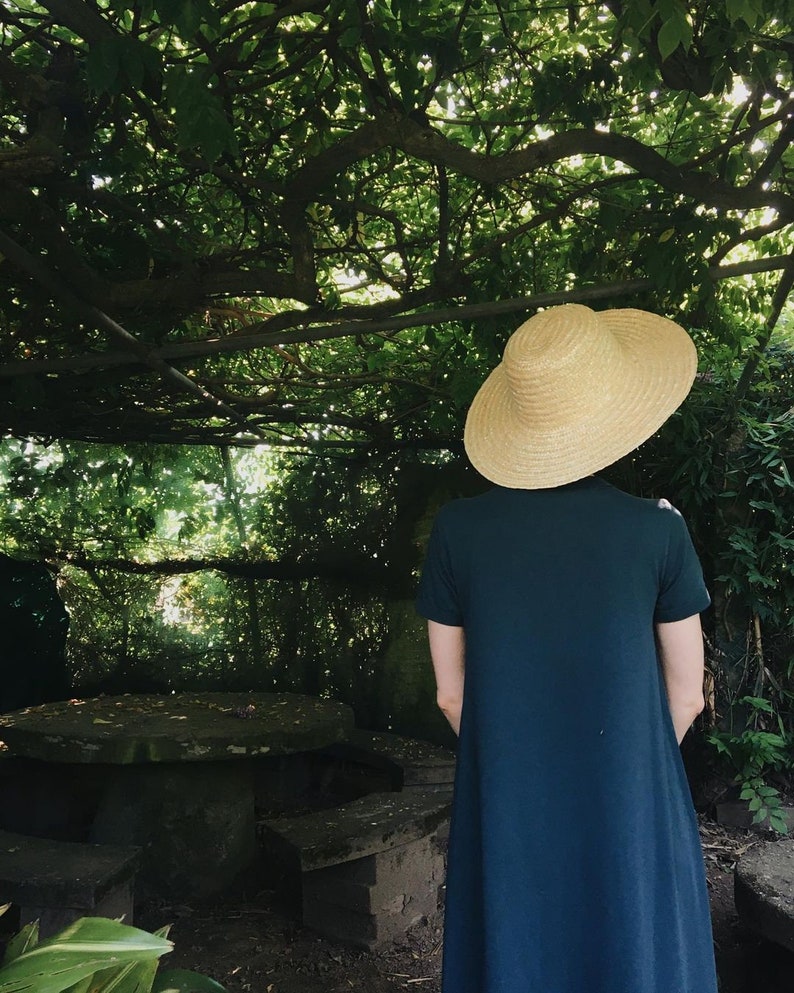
x,y
55,882
764,891
409,763
368,869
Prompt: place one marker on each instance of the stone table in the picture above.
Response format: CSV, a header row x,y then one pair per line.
x,y
764,891
177,771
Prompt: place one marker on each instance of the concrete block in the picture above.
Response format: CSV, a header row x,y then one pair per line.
x,y
364,930
764,891
379,883
369,901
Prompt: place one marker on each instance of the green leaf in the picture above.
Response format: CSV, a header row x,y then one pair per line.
x,y
759,703
133,977
350,37
741,10
86,985
431,337
199,114
103,64
674,32
80,950
184,981
188,15
22,942
114,62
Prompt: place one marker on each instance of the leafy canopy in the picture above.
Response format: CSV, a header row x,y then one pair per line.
x,y
306,221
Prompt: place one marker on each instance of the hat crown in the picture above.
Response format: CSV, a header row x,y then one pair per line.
x,y
575,391
565,352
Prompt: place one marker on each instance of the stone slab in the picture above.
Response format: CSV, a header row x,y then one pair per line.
x,y
42,872
413,762
183,727
390,863
362,827
764,891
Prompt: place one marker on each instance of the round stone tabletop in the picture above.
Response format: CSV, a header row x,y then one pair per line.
x,y
190,727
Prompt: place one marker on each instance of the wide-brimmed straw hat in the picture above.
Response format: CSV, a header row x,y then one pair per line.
x,y
575,391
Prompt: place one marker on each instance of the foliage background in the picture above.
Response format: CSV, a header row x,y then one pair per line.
x,y
257,257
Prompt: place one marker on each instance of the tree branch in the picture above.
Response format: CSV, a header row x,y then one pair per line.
x,y
252,340
778,302
431,146
80,19
36,268
355,569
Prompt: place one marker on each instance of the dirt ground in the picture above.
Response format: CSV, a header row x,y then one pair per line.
x,y
250,945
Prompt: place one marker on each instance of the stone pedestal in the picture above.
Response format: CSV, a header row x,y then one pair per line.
x,y
193,821
764,891
371,900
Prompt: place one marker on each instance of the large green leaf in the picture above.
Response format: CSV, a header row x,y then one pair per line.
x,y
184,981
83,986
88,945
22,942
133,977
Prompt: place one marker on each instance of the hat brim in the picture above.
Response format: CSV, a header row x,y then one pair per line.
x,y
658,366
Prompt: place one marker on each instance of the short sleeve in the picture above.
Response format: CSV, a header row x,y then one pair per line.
x,y
682,591
438,599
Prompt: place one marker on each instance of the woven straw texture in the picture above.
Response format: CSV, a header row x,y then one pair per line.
x,y
577,390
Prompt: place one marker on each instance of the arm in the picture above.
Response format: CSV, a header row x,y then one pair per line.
x,y
448,651
680,645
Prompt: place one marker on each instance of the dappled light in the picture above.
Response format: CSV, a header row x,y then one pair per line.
x,y
256,259
317,226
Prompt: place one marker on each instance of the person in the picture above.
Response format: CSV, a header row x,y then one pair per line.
x,y
565,638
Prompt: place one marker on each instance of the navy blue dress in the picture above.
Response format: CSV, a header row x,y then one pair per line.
x,y
574,862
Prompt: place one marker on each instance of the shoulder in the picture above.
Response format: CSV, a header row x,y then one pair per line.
x,y
464,509
657,518
654,508
668,516
664,504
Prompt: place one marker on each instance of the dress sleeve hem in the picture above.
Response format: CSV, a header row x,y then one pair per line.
x,y
432,613
681,611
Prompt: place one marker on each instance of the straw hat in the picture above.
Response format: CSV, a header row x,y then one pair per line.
x,y
575,391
